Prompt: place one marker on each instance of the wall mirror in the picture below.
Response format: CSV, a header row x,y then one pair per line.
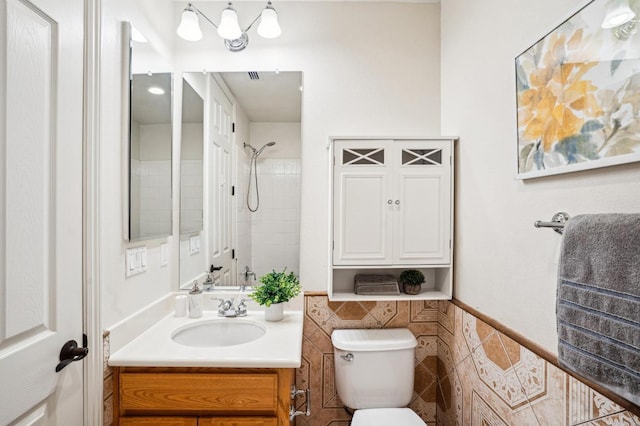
x,y
148,206
250,175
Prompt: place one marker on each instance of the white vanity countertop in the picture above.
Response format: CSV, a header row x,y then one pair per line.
x,y
279,347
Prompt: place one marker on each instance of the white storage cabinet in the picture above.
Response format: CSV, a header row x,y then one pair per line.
x,y
392,209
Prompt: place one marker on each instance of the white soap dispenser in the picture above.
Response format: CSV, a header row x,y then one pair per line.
x,y
195,301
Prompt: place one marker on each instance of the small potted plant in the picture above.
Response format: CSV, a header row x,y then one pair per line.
x,y
276,288
411,281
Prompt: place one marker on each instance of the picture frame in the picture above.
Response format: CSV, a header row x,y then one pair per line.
x,y
578,93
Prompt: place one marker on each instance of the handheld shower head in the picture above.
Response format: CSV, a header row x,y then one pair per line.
x,y
263,147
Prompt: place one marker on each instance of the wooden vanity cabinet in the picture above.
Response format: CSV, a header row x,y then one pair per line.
x,y
202,396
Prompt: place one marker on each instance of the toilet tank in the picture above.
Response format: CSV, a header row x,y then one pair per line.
x,y
374,368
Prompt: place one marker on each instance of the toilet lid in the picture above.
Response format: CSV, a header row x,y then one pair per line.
x,y
385,417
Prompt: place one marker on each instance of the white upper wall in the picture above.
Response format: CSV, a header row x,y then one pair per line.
x,y
505,267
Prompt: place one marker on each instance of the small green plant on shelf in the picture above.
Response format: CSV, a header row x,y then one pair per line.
x,y
277,287
411,281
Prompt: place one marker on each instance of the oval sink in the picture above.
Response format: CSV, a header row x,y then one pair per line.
x,y
217,333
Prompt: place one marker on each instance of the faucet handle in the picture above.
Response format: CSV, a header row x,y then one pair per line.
x,y
241,310
219,300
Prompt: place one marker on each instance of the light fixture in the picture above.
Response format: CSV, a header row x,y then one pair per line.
x,y
269,27
155,90
189,28
618,13
235,38
229,28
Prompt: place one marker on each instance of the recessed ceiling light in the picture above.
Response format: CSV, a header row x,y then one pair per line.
x,y
156,90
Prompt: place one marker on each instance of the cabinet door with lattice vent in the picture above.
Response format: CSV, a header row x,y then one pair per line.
x,y
422,202
362,191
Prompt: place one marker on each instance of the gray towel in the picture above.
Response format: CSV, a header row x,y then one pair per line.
x,y
598,305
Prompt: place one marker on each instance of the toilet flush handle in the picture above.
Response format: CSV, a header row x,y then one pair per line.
x,y
348,357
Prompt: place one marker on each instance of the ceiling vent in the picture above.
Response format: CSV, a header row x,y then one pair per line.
x,y
253,75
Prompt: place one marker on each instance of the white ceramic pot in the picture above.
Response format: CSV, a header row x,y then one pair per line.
x,y
275,312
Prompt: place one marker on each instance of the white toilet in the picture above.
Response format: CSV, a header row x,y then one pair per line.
x,y
374,375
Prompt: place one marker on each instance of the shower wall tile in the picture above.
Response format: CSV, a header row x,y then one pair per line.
x,y
485,377
155,202
317,371
275,226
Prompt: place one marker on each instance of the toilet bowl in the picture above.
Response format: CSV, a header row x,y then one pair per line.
x,y
374,372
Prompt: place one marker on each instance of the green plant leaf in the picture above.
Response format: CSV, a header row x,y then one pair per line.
x,y
277,287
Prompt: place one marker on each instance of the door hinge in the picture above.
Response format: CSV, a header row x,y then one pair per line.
x,y
233,127
233,190
233,253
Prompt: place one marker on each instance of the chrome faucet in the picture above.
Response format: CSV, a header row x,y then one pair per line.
x,y
247,273
226,309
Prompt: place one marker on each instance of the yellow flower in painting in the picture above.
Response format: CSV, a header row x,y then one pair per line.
x,y
558,100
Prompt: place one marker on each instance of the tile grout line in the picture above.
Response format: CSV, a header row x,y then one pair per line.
x,y
522,388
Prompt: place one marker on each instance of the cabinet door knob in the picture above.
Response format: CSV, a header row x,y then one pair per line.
x,y
389,202
397,202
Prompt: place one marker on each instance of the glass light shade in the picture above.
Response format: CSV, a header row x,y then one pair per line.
x,y
618,13
229,28
189,28
269,27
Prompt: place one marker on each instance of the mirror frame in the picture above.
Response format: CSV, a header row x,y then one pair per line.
x,y
127,46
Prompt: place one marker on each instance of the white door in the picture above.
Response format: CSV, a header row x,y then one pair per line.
x,y
362,203
41,96
219,182
422,202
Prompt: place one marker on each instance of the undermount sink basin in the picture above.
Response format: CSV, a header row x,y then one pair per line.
x,y
217,333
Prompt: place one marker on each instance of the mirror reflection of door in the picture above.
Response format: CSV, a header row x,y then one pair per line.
x,y
219,183
150,157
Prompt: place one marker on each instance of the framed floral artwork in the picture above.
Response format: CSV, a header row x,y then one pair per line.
x,y
578,93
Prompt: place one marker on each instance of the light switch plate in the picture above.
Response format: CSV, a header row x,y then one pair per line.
x,y
194,244
164,254
135,260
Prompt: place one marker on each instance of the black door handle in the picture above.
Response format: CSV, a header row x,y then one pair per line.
x,y
71,352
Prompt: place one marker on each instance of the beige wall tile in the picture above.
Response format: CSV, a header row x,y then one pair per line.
x,y
503,382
